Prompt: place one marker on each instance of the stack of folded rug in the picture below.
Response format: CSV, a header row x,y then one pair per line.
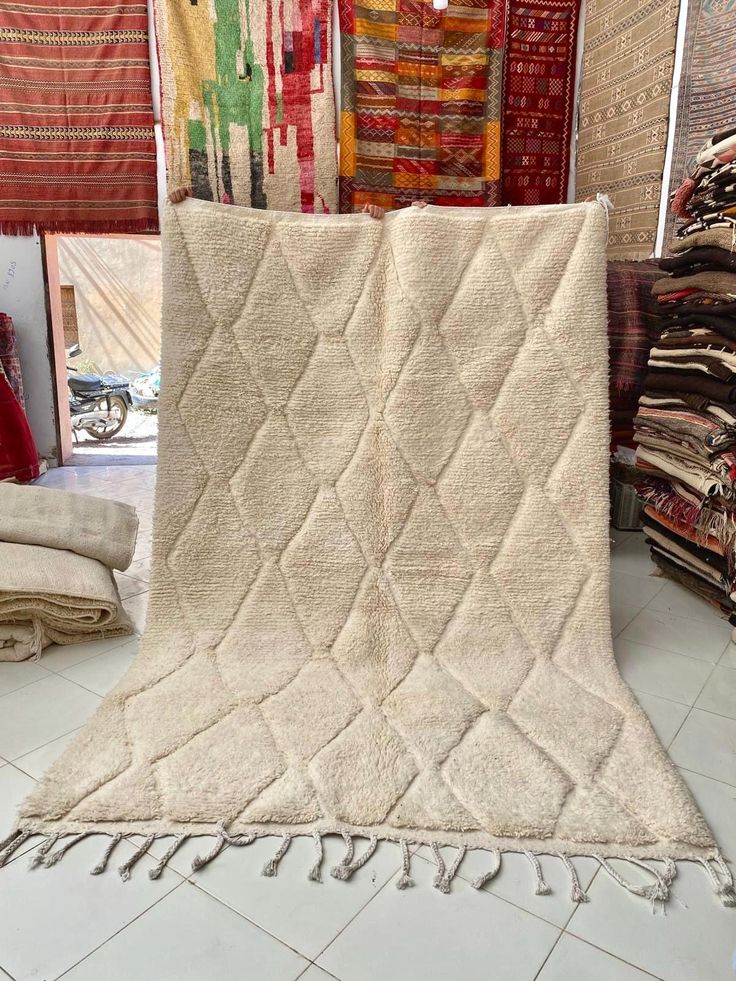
x,y
686,423
57,553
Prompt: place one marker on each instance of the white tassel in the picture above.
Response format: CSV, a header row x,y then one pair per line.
x,y
271,867
12,844
199,861
156,871
405,881
576,894
541,888
42,851
124,869
346,869
223,838
445,875
491,874
315,873
724,889
658,891
102,864
54,857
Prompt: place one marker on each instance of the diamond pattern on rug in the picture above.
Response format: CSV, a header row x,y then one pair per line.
x,y
390,614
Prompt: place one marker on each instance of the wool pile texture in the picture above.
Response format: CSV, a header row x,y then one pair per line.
x,y
539,96
380,586
421,102
628,64
707,93
77,149
247,100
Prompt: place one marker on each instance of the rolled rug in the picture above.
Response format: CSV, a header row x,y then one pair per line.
x,y
52,595
90,526
722,283
682,573
685,381
701,258
723,238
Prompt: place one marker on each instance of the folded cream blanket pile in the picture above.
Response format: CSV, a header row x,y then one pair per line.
x,y
57,551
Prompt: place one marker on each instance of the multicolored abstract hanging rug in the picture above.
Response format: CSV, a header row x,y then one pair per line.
x,y
539,96
77,149
421,102
628,62
248,105
707,94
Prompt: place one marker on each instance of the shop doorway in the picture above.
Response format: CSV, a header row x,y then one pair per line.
x,y
105,303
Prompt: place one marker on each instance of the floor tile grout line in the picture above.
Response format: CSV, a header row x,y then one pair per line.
x,y
124,639
91,691
627,624
697,619
692,708
667,650
356,915
560,935
218,899
319,968
6,972
567,932
707,776
25,684
616,957
663,698
42,746
122,928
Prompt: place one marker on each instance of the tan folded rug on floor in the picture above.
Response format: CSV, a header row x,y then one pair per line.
x,y
380,581
92,526
57,550
52,596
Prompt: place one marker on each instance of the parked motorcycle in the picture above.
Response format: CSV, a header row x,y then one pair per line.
x,y
98,404
145,390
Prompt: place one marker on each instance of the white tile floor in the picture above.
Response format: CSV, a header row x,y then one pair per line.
x,y
227,921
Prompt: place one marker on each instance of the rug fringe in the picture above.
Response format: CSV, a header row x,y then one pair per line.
x,y
47,854
131,226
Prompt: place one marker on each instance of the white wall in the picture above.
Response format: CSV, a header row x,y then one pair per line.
x,y
117,285
22,297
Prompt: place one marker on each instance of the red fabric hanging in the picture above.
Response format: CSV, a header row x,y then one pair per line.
x,y
539,94
18,457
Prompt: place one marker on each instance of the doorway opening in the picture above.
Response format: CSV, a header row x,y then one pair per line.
x,y
105,306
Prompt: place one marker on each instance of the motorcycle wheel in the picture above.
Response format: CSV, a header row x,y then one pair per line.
x,y
119,413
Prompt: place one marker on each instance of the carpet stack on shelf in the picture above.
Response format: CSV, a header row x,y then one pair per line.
x,y
685,429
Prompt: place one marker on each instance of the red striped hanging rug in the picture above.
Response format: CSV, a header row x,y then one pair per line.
x,y
77,148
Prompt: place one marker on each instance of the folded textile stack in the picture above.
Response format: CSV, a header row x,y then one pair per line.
x,y
707,198
685,428
57,553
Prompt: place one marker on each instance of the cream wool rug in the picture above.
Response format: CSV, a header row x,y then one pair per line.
x,y
380,601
